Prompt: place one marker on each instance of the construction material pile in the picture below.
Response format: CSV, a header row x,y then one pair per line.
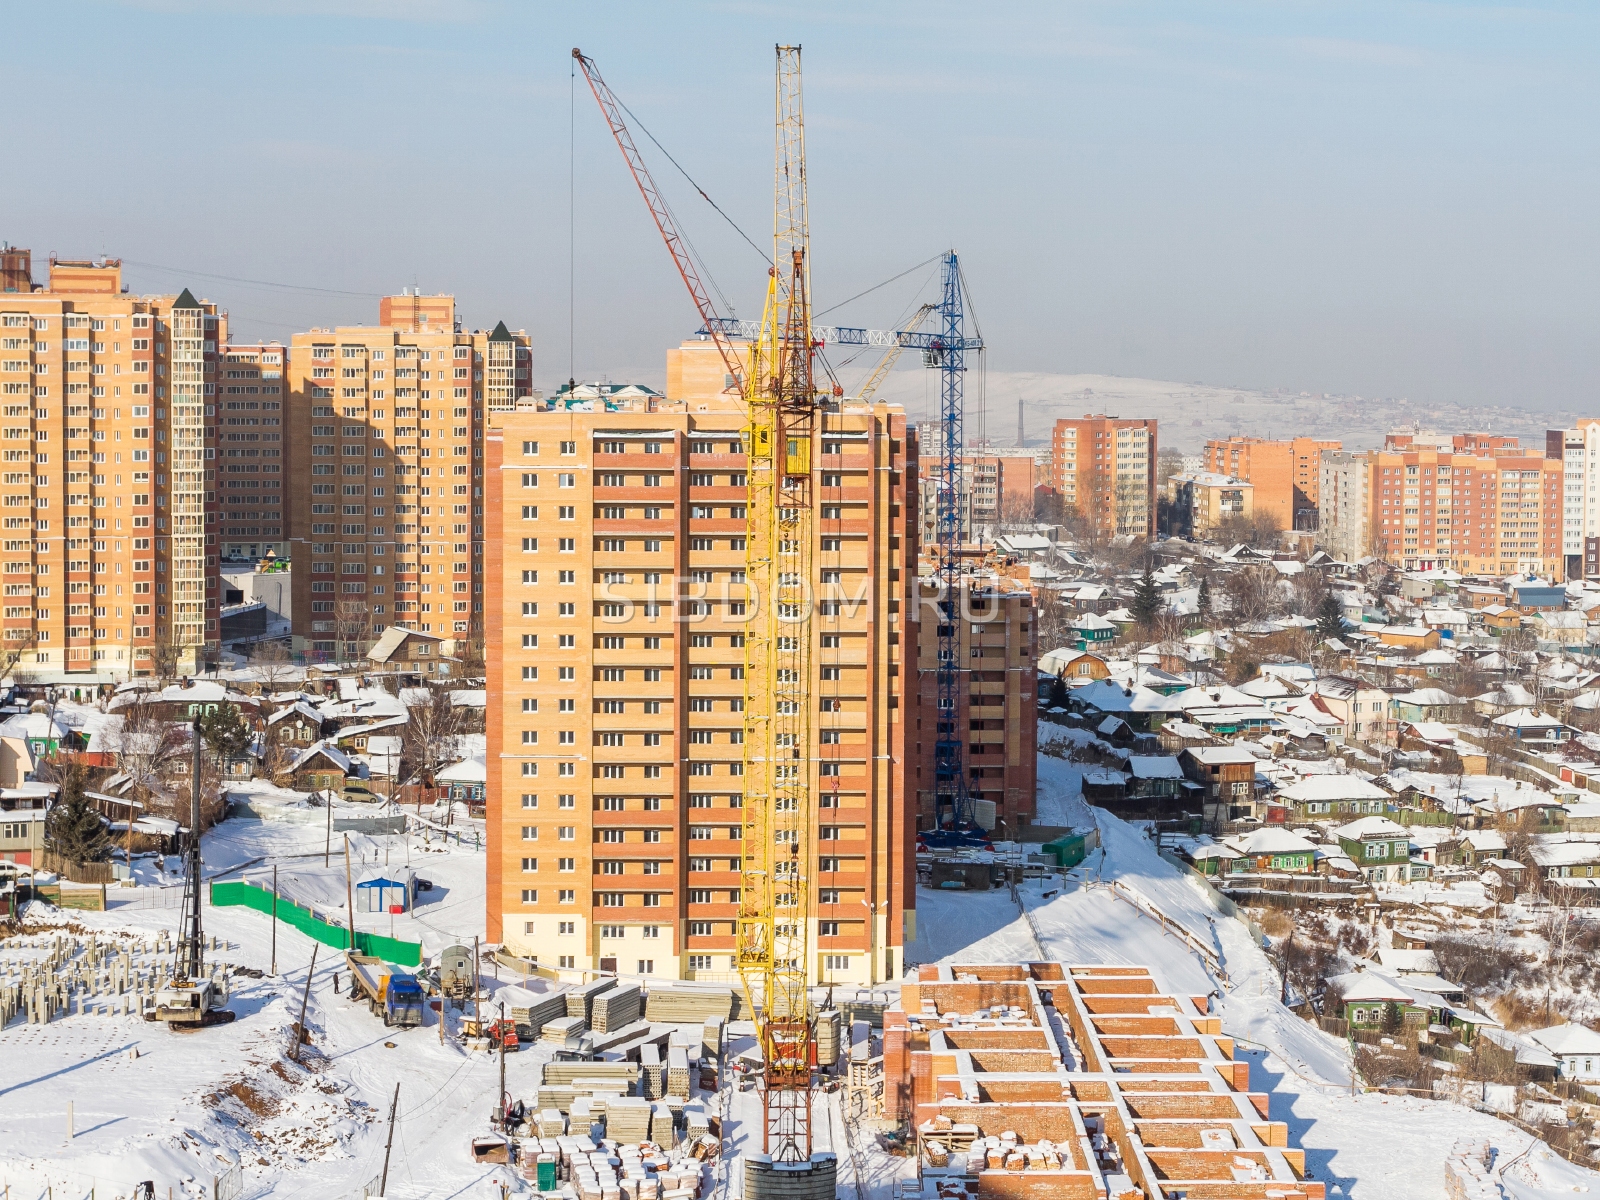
x,y
562,1084
580,1000
687,1003
531,1012
58,974
615,1009
616,1170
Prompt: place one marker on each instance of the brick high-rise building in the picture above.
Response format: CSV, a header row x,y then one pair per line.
x,y
997,698
1579,451
616,563
386,452
1344,505
993,488
1105,468
108,488
1285,473
1473,503
252,473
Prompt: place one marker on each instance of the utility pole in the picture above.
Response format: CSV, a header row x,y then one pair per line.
x,y
349,899
305,999
327,842
383,1182
190,965
501,1029
274,920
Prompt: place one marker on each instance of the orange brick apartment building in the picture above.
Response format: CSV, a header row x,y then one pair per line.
x,y
1473,503
615,568
1285,474
107,473
1105,468
386,441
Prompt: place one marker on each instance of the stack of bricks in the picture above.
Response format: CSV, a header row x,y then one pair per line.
x,y
980,1059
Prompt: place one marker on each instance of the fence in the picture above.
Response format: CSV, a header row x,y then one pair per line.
x,y
95,872
407,954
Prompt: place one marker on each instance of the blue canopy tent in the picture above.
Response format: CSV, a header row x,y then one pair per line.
x,y
387,887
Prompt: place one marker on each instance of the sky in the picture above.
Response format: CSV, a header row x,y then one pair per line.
x,y
1386,199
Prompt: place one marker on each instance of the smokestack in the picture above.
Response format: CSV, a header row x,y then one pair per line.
x,y
1019,422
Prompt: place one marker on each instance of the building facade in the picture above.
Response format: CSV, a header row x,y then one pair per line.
x,y
997,698
616,567
108,442
1105,468
1286,473
1344,505
991,489
1473,503
1579,451
386,521
252,473
1202,500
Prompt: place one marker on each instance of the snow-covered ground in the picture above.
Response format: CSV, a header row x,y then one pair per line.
x,y
189,1104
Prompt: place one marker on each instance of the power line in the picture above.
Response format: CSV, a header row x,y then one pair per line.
x,y
876,286
292,287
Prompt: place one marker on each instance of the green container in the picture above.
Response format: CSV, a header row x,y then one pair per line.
x,y
547,1172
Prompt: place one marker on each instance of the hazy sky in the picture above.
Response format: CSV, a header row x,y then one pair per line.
x,y
1389,198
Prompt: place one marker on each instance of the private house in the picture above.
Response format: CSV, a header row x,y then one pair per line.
x,y
408,652
1379,847
22,818
1273,850
1426,704
1499,619
1477,847
1534,729
1157,778
1414,638
296,724
1434,738
1362,708
1092,630
1319,796
1502,700
1537,596
1074,666
1227,776
319,767
1141,708
188,699
1576,1049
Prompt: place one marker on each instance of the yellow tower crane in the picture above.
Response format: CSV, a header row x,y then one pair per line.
x,y
774,897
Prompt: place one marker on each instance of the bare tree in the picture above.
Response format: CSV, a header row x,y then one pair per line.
x,y
165,654
11,656
432,737
353,628
273,665
1310,588
1253,592
1261,529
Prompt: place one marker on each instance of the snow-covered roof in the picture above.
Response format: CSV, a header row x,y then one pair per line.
x,y
1433,731
1567,1039
1367,987
1220,755
1373,826
1108,696
469,770
33,725
1154,767
391,640
334,755
1333,787
299,707
1428,698
1526,718
1272,841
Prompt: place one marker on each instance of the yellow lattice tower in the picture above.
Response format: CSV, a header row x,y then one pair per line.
x,y
775,895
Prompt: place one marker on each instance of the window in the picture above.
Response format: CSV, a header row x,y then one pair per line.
x,y
567,833
836,962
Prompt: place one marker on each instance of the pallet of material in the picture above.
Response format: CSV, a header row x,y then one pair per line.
x,y
683,1004
615,1008
678,1072
626,1035
712,1034
654,1070
530,1019
662,1132
563,1031
566,1072
628,1120
580,1000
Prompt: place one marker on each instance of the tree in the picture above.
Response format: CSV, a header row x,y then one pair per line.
x,y
1203,601
273,666
1260,529
76,831
1253,593
164,654
147,747
1147,605
1392,1018
432,736
1330,618
225,732
353,626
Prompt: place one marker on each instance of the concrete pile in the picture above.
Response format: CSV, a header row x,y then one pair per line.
x,y
615,1009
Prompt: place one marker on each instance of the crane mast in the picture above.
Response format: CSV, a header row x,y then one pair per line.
x,y
774,896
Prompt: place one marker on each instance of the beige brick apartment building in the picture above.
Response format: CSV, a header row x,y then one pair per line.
x,y
107,474
615,572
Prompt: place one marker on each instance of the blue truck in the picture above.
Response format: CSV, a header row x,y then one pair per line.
x,y
389,992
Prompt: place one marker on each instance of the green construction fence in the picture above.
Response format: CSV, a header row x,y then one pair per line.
x,y
402,953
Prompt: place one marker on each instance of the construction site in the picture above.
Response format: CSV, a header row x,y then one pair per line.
x,y
1049,1081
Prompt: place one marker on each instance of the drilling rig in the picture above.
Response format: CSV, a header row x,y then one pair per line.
x,y
190,1000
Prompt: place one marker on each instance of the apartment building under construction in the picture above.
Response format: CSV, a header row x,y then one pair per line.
x,y
108,491
615,535
996,714
252,473
386,515
1104,469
